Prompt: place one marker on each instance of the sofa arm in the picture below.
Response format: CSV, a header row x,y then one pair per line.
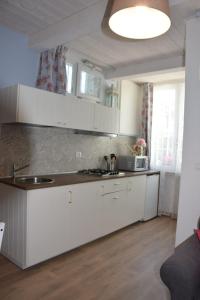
x,y
181,272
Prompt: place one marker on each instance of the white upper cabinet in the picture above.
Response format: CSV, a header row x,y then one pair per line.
x,y
106,119
130,108
41,107
89,83
29,105
82,114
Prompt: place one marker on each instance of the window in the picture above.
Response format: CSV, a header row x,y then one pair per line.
x,y
167,127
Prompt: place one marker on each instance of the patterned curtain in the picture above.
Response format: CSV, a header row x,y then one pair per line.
x,y
52,70
147,110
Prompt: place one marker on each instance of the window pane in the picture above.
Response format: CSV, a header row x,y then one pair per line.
x,y
167,127
83,82
69,71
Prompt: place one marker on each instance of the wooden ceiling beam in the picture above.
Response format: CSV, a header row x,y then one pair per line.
x,y
128,70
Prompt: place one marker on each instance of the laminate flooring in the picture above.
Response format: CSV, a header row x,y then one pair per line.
x,y
122,266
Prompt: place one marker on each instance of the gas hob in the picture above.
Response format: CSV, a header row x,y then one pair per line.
x,y
100,172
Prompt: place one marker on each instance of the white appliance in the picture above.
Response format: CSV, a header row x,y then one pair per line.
x,y
152,196
132,163
2,226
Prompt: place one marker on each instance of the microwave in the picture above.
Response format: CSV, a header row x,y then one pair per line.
x,y
133,163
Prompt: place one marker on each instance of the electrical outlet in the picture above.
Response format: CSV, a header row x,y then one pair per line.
x,y
78,154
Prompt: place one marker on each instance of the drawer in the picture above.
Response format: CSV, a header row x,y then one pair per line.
x,y
114,185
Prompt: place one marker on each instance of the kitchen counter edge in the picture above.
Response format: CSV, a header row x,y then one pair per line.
x,y
70,179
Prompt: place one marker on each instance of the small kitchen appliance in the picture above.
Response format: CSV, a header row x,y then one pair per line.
x,y
132,163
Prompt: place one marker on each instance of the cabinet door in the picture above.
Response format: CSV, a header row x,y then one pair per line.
x,y
8,104
41,107
136,197
82,114
85,213
113,211
106,119
48,224
89,83
130,108
62,111
36,106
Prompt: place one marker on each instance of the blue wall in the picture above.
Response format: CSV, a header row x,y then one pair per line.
x,y
18,63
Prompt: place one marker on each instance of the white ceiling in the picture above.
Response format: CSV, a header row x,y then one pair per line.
x,y
42,18
31,16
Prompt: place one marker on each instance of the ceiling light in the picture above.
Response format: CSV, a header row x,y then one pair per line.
x,y
139,19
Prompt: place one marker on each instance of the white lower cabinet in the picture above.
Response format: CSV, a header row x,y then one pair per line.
x,y
48,224
136,197
85,210
112,211
49,221
122,202
151,201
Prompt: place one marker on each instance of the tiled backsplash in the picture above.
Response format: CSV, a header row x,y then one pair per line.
x,y
53,150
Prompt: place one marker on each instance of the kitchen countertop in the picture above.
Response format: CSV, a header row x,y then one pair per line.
x,y
68,179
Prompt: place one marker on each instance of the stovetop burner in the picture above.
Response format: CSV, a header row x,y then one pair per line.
x,y
99,172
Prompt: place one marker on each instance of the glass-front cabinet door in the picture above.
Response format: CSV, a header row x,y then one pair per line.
x,y
90,84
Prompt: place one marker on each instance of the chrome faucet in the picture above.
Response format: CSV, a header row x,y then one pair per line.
x,y
15,169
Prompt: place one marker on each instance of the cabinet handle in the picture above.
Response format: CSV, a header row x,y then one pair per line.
x,y
70,197
115,198
116,183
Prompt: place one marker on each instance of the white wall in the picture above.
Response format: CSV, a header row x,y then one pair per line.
x,y
18,63
189,201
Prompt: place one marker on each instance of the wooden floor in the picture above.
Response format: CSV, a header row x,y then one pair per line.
x,y
122,266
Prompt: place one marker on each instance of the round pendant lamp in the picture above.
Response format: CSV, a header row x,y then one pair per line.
x,y
139,19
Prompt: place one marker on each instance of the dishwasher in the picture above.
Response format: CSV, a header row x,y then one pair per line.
x,y
152,196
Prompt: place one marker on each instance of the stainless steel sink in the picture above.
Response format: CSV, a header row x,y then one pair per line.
x,y
33,180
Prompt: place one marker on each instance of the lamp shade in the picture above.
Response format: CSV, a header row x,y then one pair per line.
x,y
139,19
